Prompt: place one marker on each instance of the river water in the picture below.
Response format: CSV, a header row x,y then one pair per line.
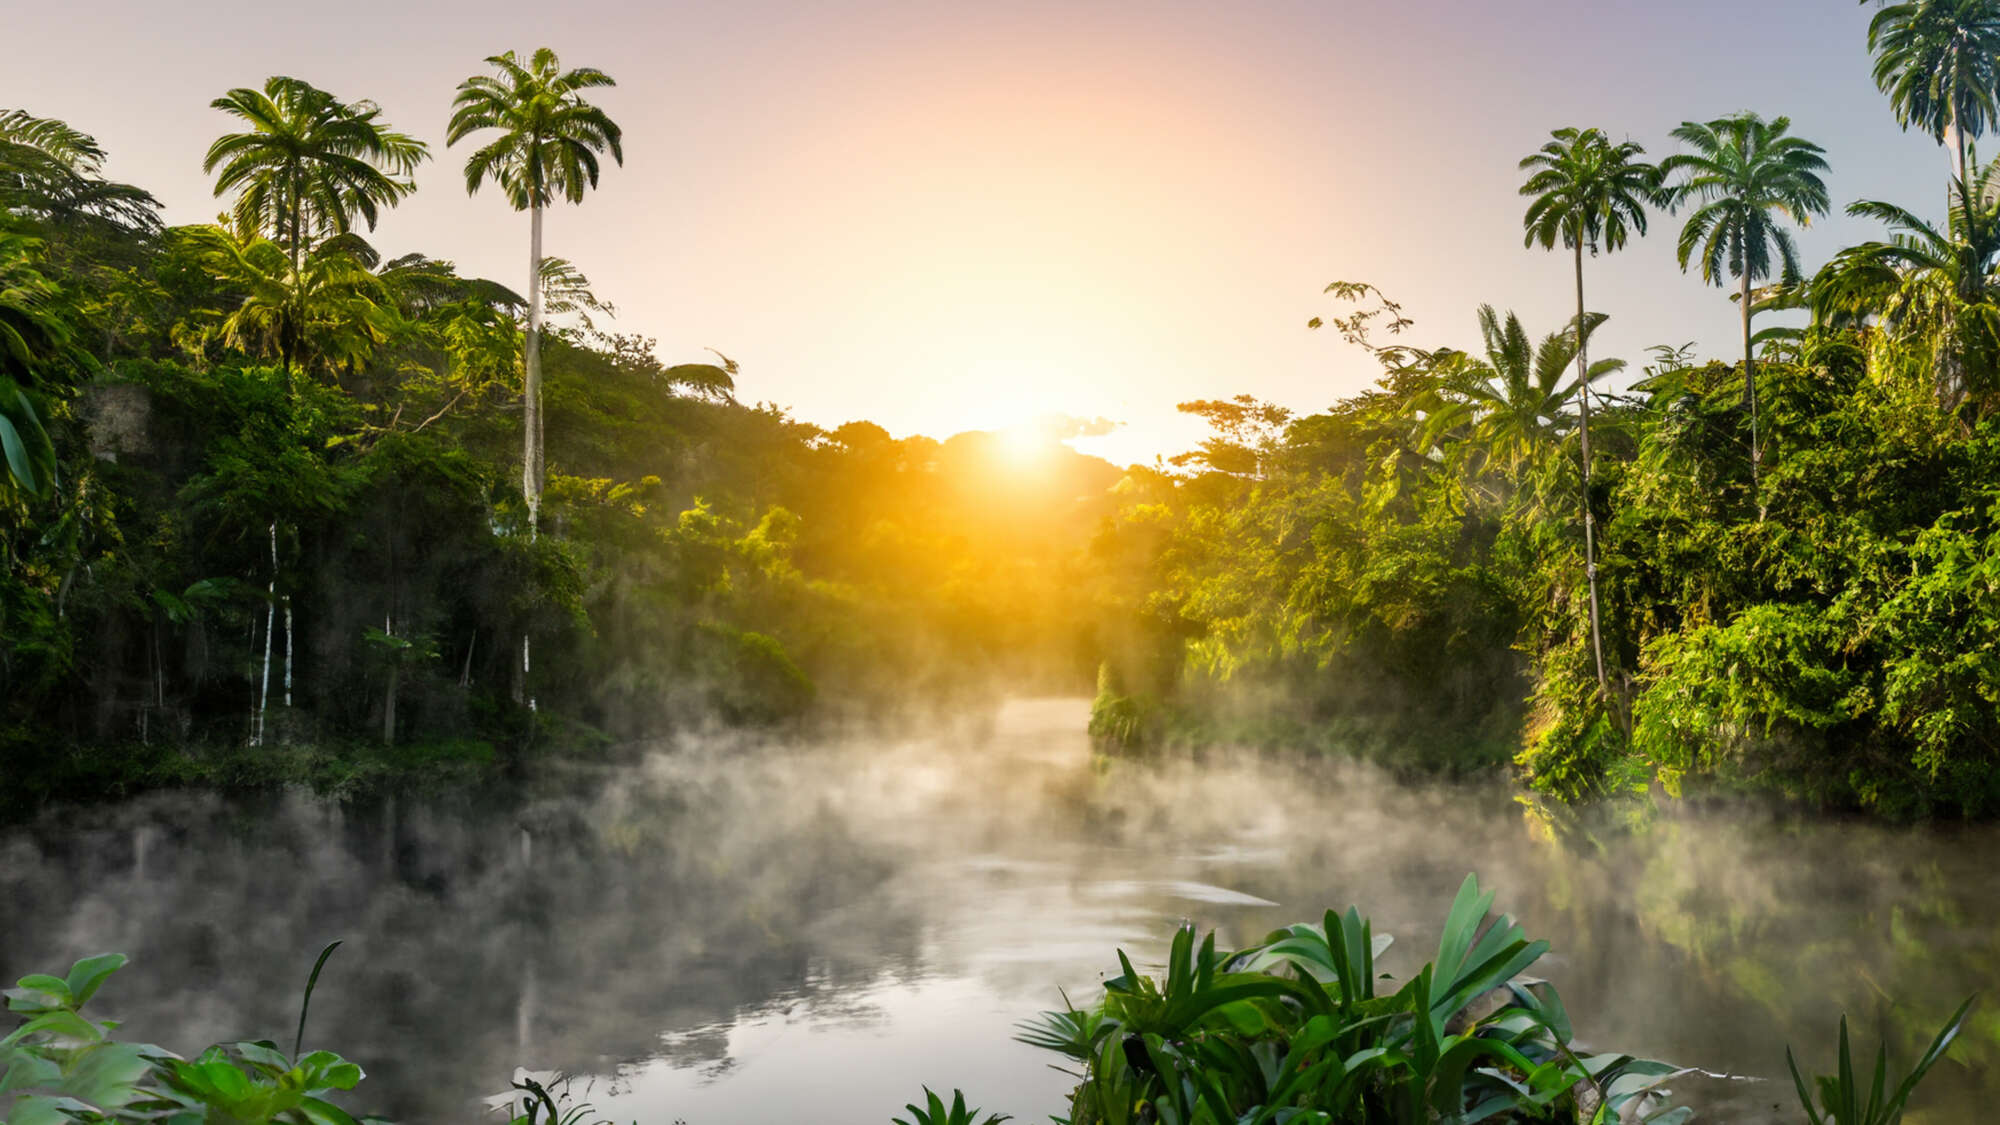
x,y
734,932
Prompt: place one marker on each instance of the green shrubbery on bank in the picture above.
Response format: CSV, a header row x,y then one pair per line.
x,y
1774,573
1837,647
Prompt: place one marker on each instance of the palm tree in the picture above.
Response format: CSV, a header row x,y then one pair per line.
x,y
565,291
1513,403
1588,192
547,148
1744,174
308,165
1938,61
50,176
1934,294
328,313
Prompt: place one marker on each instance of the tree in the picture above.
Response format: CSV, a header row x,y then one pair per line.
x,y
1935,294
308,165
548,147
1938,61
1512,404
50,176
1745,173
325,314
1588,192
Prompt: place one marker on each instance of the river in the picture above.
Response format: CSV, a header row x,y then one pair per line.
x,y
730,931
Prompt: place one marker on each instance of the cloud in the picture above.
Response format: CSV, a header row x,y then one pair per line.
x,y
1063,427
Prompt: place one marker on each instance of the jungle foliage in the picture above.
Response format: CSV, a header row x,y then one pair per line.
x,y
263,517
265,487
1776,572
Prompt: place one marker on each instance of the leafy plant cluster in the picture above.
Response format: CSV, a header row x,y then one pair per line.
x,y
60,1066
1306,1027
1303,1027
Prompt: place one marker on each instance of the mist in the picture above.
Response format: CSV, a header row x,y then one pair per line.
x,y
740,927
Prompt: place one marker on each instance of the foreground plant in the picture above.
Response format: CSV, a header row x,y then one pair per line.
x,y
1297,1030
62,1068
935,1112
1840,1096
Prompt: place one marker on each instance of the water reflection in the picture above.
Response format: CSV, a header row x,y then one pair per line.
x,y
734,933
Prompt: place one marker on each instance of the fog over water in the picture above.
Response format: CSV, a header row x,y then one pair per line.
x,y
736,932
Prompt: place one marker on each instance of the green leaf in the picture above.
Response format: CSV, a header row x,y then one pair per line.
x,y
17,455
324,1112
108,1076
87,975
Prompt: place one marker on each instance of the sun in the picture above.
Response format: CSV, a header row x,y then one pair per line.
x,y
1024,446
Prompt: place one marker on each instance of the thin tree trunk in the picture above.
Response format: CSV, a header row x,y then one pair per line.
x,y
294,331
389,707
270,620
288,652
1964,172
389,697
1750,399
531,391
531,423
1589,520
255,715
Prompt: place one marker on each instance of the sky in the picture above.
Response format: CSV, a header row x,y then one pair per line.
x,y
942,216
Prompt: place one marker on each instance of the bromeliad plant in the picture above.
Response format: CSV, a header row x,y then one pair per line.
x,y
1296,1031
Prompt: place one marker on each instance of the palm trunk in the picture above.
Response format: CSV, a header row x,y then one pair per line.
x,y
1750,399
1964,172
1589,521
294,331
531,391
531,421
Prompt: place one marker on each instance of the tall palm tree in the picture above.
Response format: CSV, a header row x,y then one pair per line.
x,y
1744,175
1939,61
1588,192
547,148
308,165
1933,294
